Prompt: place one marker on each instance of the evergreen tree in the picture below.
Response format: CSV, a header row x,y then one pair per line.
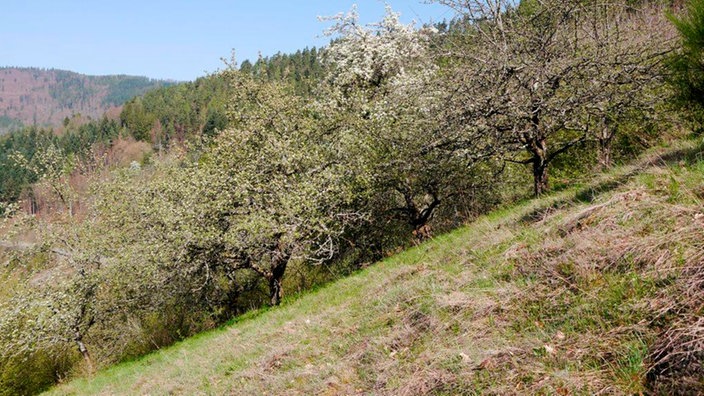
x,y
688,64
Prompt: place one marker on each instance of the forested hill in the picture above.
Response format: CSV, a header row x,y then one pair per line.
x,y
31,96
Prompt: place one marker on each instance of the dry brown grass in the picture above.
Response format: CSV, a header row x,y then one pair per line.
x,y
642,233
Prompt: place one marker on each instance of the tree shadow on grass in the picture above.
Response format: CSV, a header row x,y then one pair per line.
x,y
683,156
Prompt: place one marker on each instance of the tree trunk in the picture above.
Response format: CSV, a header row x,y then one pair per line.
x,y
422,233
606,138
275,291
539,150
419,218
605,157
278,268
540,176
232,296
78,338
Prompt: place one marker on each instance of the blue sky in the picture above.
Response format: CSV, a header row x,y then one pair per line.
x,y
174,39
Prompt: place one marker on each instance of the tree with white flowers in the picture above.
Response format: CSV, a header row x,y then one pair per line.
x,y
383,82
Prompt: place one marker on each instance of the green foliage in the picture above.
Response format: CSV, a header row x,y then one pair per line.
x,y
686,64
181,111
30,141
123,88
215,122
302,70
14,177
190,110
137,120
8,124
73,90
46,367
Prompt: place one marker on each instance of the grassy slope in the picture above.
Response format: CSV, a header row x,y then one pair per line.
x,y
569,294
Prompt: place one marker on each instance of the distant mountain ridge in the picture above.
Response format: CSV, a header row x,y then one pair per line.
x,y
45,97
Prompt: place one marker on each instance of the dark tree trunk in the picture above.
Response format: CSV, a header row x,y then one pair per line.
x,y
232,298
422,233
275,291
418,218
278,268
539,150
540,177
537,146
88,320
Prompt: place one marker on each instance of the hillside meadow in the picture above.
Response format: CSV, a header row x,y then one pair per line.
x,y
587,291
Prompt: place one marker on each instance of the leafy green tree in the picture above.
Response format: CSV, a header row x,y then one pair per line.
x,y
137,119
14,178
284,179
302,70
688,64
52,167
215,122
270,189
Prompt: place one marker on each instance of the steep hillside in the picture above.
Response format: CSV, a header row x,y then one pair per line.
x,y
593,290
45,97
